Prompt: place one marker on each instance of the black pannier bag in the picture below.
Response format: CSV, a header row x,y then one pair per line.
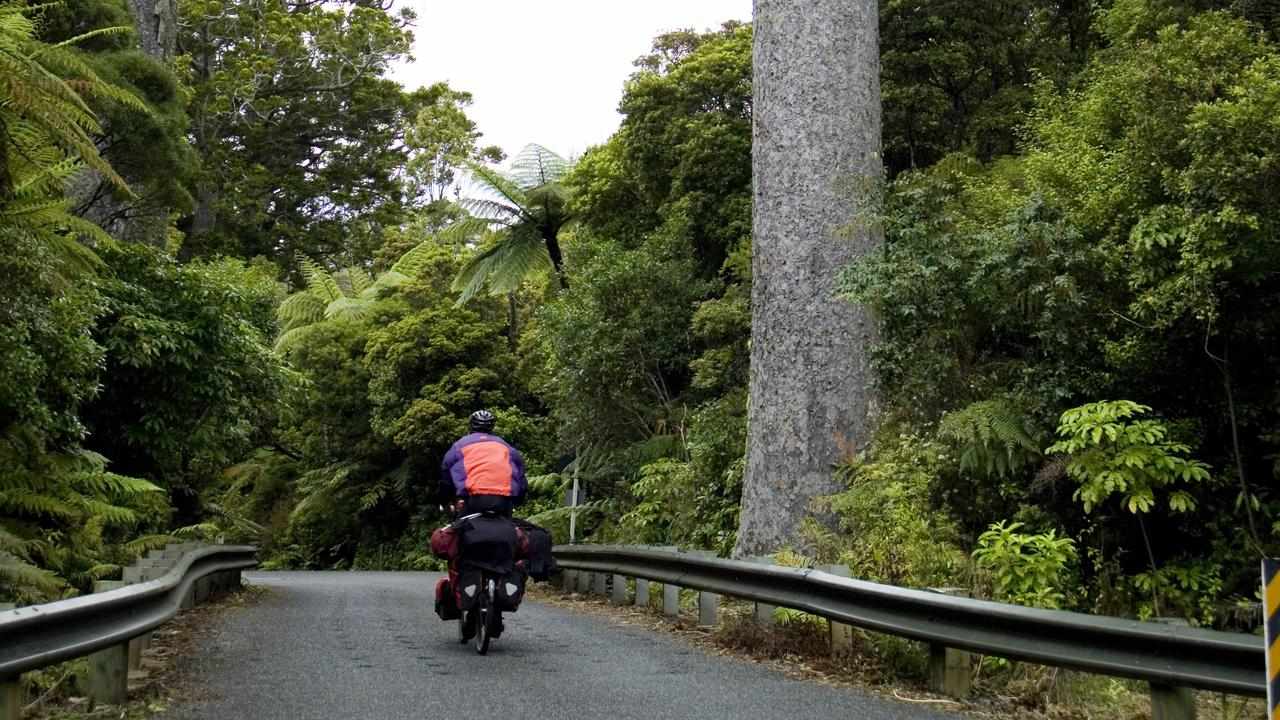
x,y
488,543
468,589
509,591
542,564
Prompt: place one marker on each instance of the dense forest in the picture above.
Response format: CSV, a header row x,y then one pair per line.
x,y
254,287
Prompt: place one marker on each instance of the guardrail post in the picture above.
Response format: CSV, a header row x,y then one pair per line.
x,y
136,645
568,580
618,596
671,600
600,583
10,698
708,609
202,589
642,593
1172,703
841,634
1167,701
763,612
108,680
708,602
948,671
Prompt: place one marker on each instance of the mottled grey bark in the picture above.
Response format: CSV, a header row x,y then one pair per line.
x,y
157,24
815,157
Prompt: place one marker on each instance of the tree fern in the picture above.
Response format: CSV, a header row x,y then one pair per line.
x,y
345,295
525,209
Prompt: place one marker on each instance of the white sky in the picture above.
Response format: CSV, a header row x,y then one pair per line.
x,y
549,72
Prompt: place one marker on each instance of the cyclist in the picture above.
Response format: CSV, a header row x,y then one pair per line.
x,y
482,471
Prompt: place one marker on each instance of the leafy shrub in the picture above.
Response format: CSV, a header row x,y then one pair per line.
x,y
888,530
1112,453
1027,569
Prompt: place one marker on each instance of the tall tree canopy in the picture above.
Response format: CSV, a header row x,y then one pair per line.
x,y
300,130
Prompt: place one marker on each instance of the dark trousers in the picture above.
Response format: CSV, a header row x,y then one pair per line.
x,y
497,504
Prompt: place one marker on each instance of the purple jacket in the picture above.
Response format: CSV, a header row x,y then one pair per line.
x,y
483,464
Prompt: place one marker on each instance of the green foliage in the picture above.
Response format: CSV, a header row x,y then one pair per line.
x,y
642,362
887,531
613,349
682,157
381,396
45,115
1126,251
442,140
957,76
976,299
1027,569
64,519
1163,155
188,380
1193,590
348,294
692,499
299,129
436,363
1113,453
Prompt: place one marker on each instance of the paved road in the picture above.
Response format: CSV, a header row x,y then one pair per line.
x,y
367,645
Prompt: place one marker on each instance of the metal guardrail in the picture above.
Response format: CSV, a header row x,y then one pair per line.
x,y
1169,656
37,636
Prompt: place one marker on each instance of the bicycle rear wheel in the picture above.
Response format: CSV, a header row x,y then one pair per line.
x,y
484,617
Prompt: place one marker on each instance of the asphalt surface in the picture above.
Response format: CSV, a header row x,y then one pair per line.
x,y
368,645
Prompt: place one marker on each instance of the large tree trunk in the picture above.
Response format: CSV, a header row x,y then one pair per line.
x,y
815,161
157,23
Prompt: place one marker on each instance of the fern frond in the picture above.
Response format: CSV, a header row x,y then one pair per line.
x,y
462,233
412,261
494,182
386,281
199,531
139,545
103,570
17,572
353,281
502,266
492,211
992,436
112,514
300,309
81,38
535,166
31,504
290,338
319,280
345,308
